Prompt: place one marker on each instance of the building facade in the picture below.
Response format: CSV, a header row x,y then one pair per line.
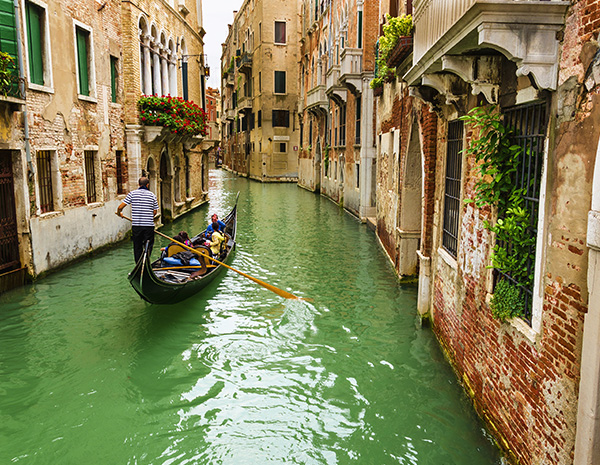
x,y
337,152
533,376
163,56
67,158
260,129
213,114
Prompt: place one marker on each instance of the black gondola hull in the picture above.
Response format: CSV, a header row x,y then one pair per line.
x,y
156,291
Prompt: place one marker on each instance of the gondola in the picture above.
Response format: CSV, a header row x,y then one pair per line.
x,y
159,283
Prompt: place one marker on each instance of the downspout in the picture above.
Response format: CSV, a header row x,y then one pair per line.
x,y
30,170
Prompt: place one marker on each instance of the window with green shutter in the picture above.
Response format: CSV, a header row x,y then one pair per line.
x,y
82,37
8,42
35,41
114,68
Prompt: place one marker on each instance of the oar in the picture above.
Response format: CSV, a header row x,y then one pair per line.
x,y
276,290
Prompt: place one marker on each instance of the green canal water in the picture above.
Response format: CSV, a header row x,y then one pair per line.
x,y
91,374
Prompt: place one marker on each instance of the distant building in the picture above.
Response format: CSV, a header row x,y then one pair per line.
x,y
213,112
337,148
260,127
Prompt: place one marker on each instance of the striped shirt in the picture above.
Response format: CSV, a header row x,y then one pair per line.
x,y
143,203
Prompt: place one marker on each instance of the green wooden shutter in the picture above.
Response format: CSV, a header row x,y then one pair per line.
x,y
35,16
82,61
113,78
8,42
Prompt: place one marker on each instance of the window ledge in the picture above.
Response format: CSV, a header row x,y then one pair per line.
x,y
116,104
448,259
53,214
87,98
40,88
279,43
95,204
523,328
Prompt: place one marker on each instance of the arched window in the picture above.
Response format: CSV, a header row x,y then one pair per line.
x,y
172,69
145,58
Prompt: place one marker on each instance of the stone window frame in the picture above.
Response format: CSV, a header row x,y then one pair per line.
x,y
91,62
56,179
48,86
97,174
284,22
459,158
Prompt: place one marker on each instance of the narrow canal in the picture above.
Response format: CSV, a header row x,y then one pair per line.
x,y
90,374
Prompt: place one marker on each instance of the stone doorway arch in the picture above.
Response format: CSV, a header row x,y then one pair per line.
x,y
411,204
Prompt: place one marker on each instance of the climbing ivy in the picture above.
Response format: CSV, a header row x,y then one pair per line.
x,y
497,161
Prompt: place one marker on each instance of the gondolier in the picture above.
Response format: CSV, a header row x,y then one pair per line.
x,y
144,207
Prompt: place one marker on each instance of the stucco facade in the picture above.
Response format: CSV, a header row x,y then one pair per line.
x,y
163,51
260,129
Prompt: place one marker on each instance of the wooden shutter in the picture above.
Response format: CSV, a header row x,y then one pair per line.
x,y
113,78
35,16
82,61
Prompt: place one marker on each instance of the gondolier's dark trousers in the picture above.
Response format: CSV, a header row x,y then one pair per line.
x,y
140,235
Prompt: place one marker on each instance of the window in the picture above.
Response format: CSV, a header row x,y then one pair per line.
x,y
35,16
114,69
90,175
358,110
280,82
120,172
452,187
84,61
342,124
259,82
44,171
359,27
281,147
281,119
259,118
310,131
280,32
357,175
528,124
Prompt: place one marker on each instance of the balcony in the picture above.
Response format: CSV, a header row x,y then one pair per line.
x,y
244,104
351,69
230,114
316,98
448,36
230,79
244,63
333,86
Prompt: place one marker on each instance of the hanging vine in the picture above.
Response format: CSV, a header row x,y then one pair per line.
x,y
498,161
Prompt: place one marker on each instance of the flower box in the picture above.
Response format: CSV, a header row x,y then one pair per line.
x,y
377,91
400,51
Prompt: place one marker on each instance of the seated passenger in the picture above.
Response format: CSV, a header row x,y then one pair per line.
x,y
215,240
211,227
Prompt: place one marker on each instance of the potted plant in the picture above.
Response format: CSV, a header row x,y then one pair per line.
x,y
176,115
397,39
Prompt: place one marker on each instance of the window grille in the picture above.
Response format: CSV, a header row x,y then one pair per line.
x,y
342,124
90,176
528,130
452,187
44,168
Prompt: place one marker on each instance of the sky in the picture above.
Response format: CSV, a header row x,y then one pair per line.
x,y
216,15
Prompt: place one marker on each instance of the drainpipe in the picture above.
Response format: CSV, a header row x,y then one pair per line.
x,y
30,170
